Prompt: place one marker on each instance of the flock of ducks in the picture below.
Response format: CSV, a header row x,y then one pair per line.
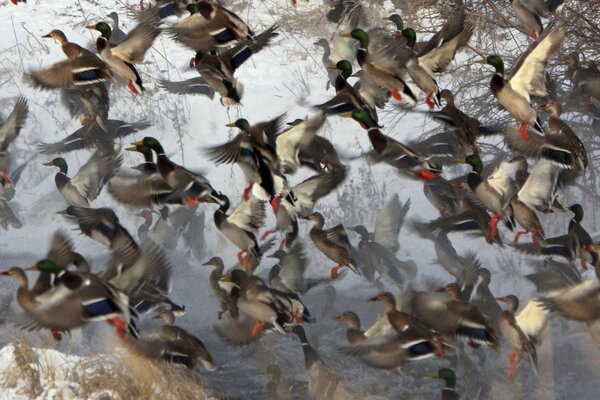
x,y
394,67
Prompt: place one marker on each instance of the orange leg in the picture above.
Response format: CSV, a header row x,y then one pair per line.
x,y
394,371
15,2
132,87
518,235
334,270
86,118
533,35
282,244
192,202
534,237
239,255
248,264
142,5
426,175
5,177
257,328
429,101
121,327
56,335
298,318
266,234
90,127
247,192
514,359
493,225
523,130
395,94
275,204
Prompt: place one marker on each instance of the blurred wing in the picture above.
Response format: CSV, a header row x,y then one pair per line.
x,y
389,222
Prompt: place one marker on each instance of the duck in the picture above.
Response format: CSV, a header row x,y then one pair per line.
x,y
496,191
89,180
443,196
264,304
403,339
284,389
393,152
423,61
378,248
209,27
347,98
61,253
117,35
319,155
71,50
382,66
304,196
446,313
576,244
85,69
327,62
192,86
465,128
79,299
129,51
529,14
300,134
183,343
10,129
254,150
227,303
218,70
333,243
8,218
527,79
585,82
323,382
184,184
449,377
241,226
148,167
484,299
522,345
529,221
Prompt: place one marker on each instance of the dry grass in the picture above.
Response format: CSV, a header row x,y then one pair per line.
x,y
34,373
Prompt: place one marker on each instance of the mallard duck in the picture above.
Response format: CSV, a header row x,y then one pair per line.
x,y
89,180
117,35
129,51
209,27
557,127
483,298
393,152
529,13
528,220
183,343
254,150
144,228
71,50
288,274
327,62
79,298
266,305
443,196
449,377
585,80
446,313
348,98
378,248
184,184
518,340
284,389
323,382
227,302
423,61
194,86
497,190
241,226
382,66
465,128
400,338
9,131
576,244
300,134
61,253
218,70
301,202
148,167
83,70
333,243
527,79
7,215
319,155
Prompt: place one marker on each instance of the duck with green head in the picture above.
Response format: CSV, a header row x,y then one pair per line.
x,y
449,377
77,300
87,183
148,167
381,66
186,186
347,98
496,191
394,153
131,50
527,79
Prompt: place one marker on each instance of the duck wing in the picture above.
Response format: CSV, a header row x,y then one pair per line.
x,y
96,172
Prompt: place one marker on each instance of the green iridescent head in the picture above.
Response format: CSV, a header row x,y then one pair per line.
x,y
495,61
150,143
577,209
447,374
397,20
60,163
103,28
242,124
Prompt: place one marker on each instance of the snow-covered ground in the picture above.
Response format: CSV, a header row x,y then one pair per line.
x,y
287,77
